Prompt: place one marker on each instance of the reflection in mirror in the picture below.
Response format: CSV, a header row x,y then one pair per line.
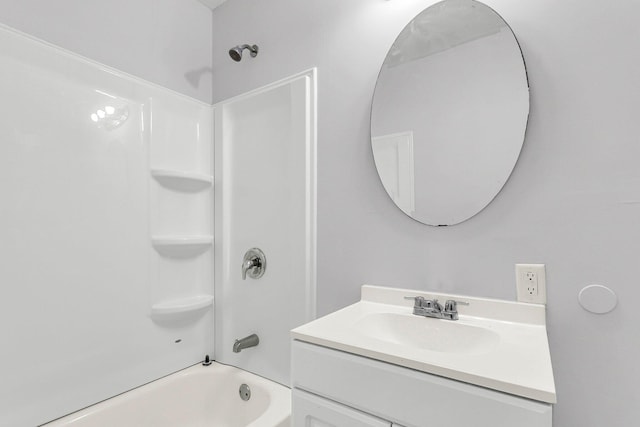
x,y
449,112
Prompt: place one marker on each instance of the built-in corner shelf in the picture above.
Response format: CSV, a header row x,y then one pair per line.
x,y
182,246
182,306
182,181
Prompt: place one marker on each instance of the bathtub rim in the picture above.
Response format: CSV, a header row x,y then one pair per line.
x,y
277,414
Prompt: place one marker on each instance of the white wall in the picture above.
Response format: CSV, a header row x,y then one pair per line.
x,y
572,203
167,42
265,181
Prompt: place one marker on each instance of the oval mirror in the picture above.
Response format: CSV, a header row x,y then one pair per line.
x,y
449,112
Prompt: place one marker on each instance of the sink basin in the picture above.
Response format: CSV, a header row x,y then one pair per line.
x,y
500,345
422,333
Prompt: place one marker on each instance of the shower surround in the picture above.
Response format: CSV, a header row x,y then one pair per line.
x,y
108,228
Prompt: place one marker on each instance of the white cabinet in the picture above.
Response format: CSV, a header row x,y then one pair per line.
x,y
401,396
313,411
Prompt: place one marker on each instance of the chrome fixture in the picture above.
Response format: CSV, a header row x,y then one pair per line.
x,y
432,308
245,392
236,52
246,342
254,264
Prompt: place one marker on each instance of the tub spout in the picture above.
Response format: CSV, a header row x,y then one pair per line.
x,y
246,342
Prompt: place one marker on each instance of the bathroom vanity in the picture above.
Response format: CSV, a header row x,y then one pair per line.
x,y
375,363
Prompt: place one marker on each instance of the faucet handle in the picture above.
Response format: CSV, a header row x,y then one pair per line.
x,y
254,264
451,305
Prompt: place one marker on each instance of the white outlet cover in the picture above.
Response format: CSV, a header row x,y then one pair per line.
x,y
522,283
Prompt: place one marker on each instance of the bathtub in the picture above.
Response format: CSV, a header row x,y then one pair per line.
x,y
199,396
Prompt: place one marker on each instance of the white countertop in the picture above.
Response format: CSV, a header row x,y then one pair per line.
x,y
516,359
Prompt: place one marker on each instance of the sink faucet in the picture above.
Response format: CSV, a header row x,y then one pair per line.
x,y
432,308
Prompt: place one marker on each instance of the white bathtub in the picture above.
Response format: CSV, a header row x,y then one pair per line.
x,y
198,396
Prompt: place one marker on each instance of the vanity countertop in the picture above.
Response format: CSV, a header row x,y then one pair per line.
x,y
500,345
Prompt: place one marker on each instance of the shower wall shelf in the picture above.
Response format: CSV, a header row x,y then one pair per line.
x,y
182,246
190,182
182,306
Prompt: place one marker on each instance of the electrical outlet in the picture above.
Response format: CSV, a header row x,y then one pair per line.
x,y
531,283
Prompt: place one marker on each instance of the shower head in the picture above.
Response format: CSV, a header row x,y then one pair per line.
x,y
236,52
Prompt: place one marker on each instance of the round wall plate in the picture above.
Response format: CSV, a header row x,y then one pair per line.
x,y
597,299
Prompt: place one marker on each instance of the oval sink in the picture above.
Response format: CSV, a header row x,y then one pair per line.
x,y
427,334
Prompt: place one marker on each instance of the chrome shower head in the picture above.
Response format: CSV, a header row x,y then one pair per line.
x,y
236,52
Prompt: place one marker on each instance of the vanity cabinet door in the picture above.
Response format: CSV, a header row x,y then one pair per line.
x,y
309,410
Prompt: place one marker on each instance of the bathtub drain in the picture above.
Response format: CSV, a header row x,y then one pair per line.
x,y
245,392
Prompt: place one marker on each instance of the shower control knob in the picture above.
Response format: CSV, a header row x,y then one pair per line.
x,y
254,264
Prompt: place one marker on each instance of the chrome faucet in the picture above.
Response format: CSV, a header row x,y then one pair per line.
x,y
246,342
432,308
